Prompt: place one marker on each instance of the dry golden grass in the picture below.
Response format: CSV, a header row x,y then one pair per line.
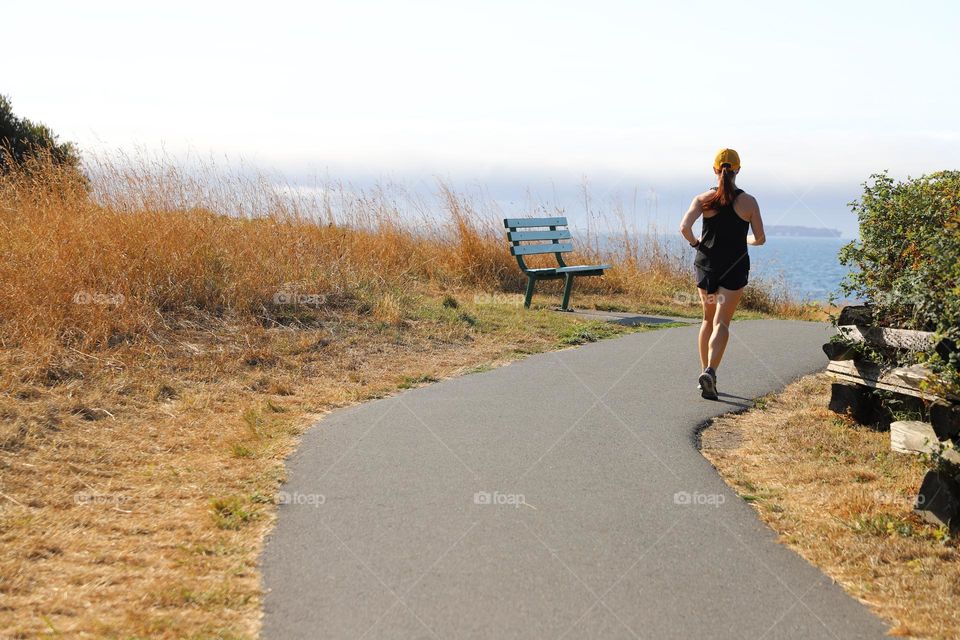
x,y
836,494
92,265
165,336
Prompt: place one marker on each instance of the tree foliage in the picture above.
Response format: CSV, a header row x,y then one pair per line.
x,y
908,257
21,138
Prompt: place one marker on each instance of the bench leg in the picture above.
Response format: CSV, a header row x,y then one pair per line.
x,y
529,296
567,287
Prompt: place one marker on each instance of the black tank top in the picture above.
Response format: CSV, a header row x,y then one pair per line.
x,y
723,241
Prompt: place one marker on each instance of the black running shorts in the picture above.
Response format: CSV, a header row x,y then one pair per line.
x,y
731,279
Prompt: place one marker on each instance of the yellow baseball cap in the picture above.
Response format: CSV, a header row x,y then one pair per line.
x,y
727,156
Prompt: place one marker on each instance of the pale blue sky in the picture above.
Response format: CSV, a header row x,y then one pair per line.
x,y
815,95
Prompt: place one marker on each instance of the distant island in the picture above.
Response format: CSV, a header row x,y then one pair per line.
x,y
801,232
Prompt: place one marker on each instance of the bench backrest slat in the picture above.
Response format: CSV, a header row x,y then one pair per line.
x,y
520,236
546,238
530,249
526,223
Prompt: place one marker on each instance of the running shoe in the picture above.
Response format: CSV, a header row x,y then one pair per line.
x,y
708,384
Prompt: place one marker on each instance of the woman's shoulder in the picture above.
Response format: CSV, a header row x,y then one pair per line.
x,y
706,194
745,205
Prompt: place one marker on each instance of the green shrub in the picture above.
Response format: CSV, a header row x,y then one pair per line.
x,y
907,261
21,138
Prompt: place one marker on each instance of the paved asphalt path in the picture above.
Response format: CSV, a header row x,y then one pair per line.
x,y
561,496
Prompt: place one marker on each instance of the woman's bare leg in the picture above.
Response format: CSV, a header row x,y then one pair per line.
x,y
727,302
709,302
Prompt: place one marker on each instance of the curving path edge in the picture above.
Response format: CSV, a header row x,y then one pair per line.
x,y
561,496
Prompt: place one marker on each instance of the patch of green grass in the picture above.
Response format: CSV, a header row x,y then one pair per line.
x,y
883,525
259,498
481,368
610,306
666,310
254,421
467,318
206,598
663,325
231,512
216,549
274,407
589,332
408,382
240,450
753,493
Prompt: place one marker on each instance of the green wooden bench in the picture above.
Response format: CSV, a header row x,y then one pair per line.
x,y
537,231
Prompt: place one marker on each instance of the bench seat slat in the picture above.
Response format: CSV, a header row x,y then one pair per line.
x,y
524,223
532,249
542,272
583,267
521,236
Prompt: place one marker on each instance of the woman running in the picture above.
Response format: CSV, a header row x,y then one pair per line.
x,y
722,262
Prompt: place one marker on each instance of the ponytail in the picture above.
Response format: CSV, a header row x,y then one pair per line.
x,y
725,193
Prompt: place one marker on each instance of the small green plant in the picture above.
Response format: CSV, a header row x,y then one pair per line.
x,y
231,512
481,368
274,407
883,525
588,332
254,421
942,459
240,450
940,534
610,306
468,318
409,382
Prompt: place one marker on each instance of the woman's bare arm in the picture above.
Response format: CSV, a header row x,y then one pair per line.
x,y
751,211
686,224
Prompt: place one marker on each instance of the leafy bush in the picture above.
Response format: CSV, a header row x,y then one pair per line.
x,y
21,138
908,258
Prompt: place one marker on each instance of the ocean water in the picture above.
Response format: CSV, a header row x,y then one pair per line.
x,y
807,266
